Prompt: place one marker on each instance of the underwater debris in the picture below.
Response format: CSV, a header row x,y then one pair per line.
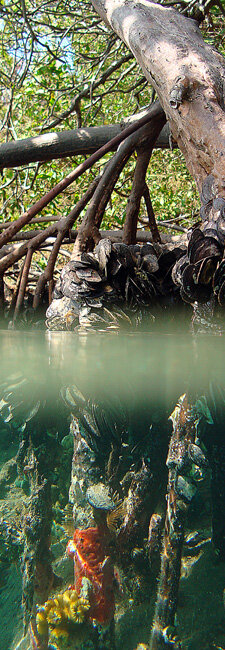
x,y
91,562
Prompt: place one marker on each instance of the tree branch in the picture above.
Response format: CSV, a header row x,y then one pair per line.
x,y
187,74
69,143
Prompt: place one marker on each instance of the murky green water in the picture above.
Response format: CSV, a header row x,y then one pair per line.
x,y
129,385
154,363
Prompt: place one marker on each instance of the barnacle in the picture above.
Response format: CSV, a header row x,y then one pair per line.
x,y
58,613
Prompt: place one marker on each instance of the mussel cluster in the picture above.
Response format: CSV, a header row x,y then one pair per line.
x,y
112,286
102,423
200,273
195,271
110,423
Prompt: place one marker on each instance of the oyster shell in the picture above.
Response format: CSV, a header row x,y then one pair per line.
x,y
98,497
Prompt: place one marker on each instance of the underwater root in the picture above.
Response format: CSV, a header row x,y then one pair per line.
x,y
179,495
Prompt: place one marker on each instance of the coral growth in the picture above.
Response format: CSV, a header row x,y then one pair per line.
x,y
90,562
91,598
56,617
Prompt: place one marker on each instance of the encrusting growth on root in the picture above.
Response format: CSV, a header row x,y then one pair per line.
x,y
179,494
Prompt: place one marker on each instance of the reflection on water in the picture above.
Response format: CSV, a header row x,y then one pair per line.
x,y
84,438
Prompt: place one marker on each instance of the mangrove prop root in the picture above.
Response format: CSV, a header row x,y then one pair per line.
x,y
2,296
142,136
151,215
133,203
63,226
88,234
138,189
36,562
162,636
140,500
216,454
23,283
76,173
145,137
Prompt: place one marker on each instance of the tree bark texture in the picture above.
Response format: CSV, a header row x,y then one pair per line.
x,y
187,74
51,146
